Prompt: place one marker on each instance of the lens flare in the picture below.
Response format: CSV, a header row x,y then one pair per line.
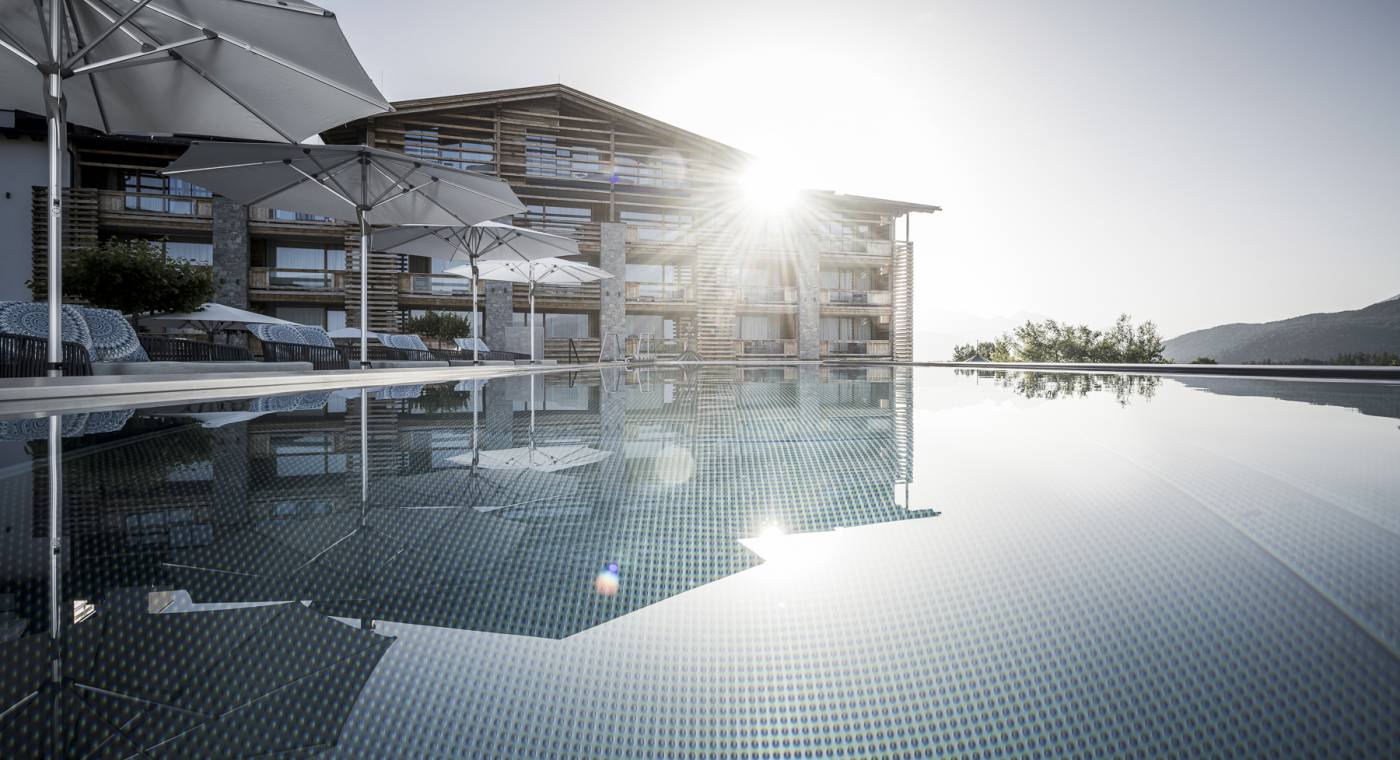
x,y
606,583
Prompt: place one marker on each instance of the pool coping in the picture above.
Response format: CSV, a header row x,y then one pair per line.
x,y
1294,371
34,396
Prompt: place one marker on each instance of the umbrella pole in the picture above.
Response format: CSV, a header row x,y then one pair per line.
x,y
53,85
55,466
476,323
532,324
364,453
363,214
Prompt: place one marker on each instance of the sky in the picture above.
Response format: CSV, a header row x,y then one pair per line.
x,y
1192,163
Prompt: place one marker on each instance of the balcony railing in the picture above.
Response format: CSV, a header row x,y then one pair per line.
x,y
121,202
837,297
766,347
647,234
278,278
658,292
855,348
767,294
436,285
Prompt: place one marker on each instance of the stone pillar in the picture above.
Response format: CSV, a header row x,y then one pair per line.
x,y
496,309
231,257
808,266
612,304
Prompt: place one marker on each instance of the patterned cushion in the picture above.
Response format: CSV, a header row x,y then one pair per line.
x,y
290,402
407,342
31,318
315,336
278,333
113,339
73,425
466,344
392,392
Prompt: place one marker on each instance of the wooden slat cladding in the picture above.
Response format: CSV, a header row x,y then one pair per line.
x,y
80,214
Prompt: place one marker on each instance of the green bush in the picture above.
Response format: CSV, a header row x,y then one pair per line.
x,y
135,277
1051,341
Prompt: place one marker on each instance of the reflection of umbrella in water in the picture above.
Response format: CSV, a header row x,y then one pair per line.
x,y
259,680
532,457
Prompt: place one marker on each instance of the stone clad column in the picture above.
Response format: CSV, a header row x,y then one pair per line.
x,y
612,304
496,309
808,266
231,257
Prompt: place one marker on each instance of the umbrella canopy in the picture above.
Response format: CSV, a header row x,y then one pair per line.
x,y
212,317
547,271
187,684
348,182
550,271
487,241
233,68
350,332
252,70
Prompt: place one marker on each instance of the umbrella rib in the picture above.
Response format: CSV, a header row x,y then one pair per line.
x,y
139,57
44,29
335,170
7,42
141,700
395,183
107,15
260,53
264,197
102,36
232,96
320,184
78,37
516,208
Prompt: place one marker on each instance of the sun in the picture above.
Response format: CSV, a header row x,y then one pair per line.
x,y
768,187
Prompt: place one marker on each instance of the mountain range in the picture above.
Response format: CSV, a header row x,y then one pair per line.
x,y
1374,329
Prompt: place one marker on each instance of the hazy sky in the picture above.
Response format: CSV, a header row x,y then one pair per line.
x,y
1189,162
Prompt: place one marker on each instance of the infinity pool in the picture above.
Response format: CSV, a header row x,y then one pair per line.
x,y
769,561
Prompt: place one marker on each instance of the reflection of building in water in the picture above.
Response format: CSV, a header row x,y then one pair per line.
x,y
688,463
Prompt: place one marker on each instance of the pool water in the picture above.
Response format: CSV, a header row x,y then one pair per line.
x,y
761,561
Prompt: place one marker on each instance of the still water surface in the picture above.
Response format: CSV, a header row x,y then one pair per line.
x,y
754,561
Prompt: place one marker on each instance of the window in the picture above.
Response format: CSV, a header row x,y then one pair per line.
x,y
460,154
762,327
566,326
850,279
149,191
304,455
846,328
561,220
315,316
664,273
300,256
654,325
283,215
655,227
198,253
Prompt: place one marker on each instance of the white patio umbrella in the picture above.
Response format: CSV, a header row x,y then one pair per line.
x,y
348,182
350,333
487,241
233,68
214,317
550,271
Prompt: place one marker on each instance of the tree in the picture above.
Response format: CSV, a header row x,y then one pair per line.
x,y
135,277
1203,360
438,326
1051,341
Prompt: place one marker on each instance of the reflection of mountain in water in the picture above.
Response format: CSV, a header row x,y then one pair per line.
x,y
1373,399
267,507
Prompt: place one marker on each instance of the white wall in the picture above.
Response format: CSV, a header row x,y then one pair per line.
x,y
23,164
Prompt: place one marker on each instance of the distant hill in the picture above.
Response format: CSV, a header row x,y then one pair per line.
x,y
1374,329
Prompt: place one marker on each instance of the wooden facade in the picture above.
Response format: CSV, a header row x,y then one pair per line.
x,y
716,277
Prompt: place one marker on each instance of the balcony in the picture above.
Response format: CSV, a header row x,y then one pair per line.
x,y
766,348
835,297
863,348
442,285
658,292
763,294
296,280
855,249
